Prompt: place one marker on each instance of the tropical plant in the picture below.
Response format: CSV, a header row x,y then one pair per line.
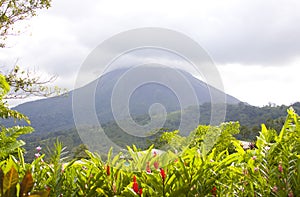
x,y
208,162
9,143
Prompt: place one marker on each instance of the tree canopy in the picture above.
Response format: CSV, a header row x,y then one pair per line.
x,y
23,83
12,11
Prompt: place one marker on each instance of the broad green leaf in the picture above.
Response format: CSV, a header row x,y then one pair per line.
x,y
26,184
1,181
9,182
4,86
40,194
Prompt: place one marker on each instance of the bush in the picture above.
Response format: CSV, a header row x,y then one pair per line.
x,y
269,169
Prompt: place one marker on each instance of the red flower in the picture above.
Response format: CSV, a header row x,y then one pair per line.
x,y
214,191
148,168
163,174
135,187
280,169
156,165
154,154
107,170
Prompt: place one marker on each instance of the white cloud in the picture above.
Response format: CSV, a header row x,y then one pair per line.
x,y
257,39
259,85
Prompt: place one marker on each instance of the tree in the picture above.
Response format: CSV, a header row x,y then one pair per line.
x,y
12,11
23,83
79,151
9,143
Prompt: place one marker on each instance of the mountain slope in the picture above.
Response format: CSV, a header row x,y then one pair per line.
x,y
55,114
249,117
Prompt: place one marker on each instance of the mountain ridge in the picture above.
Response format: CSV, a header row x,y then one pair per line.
x,y
56,113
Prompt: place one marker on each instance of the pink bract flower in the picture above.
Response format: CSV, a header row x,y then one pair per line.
x,y
290,194
148,170
37,155
114,188
280,168
275,189
38,149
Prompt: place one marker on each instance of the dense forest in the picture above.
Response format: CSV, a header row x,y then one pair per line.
x,y
249,117
210,161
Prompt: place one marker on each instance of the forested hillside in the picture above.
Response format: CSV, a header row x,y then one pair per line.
x,y
249,117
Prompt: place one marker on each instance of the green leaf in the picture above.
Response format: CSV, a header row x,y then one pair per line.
x,y
26,184
1,181
40,194
9,182
4,86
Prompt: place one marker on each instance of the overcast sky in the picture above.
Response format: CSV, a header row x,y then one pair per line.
x,y
255,44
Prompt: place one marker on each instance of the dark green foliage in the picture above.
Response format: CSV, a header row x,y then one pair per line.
x,y
249,117
209,162
9,142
